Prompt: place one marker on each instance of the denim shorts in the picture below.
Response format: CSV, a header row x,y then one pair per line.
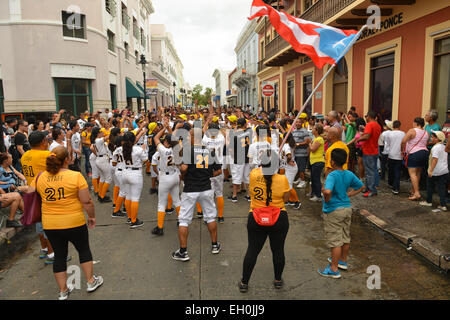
x,y
418,159
40,229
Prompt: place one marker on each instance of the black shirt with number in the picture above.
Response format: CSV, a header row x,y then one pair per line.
x,y
152,147
201,167
241,140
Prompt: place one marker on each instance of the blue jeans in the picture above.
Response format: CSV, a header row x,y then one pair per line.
x,y
372,177
395,171
87,153
316,173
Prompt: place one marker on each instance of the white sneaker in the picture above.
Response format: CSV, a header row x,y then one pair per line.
x,y
315,199
98,281
442,208
301,185
424,203
297,181
65,295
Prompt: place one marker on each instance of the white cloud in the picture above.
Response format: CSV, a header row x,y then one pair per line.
x,y
205,33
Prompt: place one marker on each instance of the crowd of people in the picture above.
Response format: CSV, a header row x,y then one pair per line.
x,y
265,156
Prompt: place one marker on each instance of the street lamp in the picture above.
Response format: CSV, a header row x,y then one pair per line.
x,y
174,88
144,62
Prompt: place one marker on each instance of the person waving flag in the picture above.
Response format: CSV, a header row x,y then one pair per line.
x,y
322,43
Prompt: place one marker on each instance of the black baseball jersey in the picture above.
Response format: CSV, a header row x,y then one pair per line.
x,y
241,140
200,169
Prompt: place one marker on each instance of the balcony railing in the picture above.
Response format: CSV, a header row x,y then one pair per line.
x,y
319,12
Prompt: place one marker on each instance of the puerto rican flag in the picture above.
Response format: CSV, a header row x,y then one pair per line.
x,y
322,43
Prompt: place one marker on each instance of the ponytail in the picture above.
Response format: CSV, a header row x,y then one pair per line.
x,y
268,179
55,161
269,168
94,134
112,138
128,142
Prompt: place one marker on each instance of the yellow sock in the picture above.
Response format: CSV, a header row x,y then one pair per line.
x,y
199,208
169,205
293,196
104,190
161,216
100,187
134,211
128,207
177,209
115,193
95,184
118,204
220,206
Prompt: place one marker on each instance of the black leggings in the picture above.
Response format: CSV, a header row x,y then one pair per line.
x,y
257,236
59,239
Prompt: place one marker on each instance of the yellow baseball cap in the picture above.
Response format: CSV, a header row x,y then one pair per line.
x,y
232,118
303,116
215,119
152,127
183,116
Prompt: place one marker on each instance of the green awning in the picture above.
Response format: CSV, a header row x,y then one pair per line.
x,y
133,91
140,87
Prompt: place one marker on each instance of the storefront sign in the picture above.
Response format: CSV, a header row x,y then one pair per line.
x,y
384,25
151,87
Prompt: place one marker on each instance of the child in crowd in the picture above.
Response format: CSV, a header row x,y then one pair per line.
x,y
337,212
437,171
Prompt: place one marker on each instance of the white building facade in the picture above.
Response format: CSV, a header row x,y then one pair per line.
x,y
221,80
75,55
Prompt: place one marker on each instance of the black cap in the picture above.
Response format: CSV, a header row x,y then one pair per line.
x,y
36,137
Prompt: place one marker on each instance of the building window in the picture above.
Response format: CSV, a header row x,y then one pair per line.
x,y
111,42
110,6
127,53
136,54
125,17
441,81
340,85
73,95
290,95
382,85
142,38
74,25
2,97
307,90
135,29
113,91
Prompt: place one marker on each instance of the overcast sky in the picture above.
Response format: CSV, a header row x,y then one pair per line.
x,y
205,34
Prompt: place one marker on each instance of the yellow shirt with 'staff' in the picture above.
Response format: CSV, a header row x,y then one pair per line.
x,y
33,163
258,190
61,207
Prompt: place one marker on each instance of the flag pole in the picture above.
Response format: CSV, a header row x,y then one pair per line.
x,y
320,83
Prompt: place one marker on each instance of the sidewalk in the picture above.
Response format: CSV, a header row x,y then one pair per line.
x,y
425,230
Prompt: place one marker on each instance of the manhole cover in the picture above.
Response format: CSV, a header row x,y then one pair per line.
x,y
411,212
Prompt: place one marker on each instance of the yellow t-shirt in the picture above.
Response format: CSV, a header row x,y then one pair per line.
x,y
336,145
317,156
258,190
33,163
88,137
61,207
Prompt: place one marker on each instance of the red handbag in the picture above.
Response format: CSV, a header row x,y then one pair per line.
x,y
266,216
32,203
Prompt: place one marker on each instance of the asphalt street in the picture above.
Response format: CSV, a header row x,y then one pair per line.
x,y
137,265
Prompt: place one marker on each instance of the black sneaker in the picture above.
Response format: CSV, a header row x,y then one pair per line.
x,y
136,224
220,219
216,248
180,256
106,199
129,221
395,191
114,206
118,214
248,198
158,231
152,191
170,211
232,199
13,224
297,205
243,287
199,215
278,284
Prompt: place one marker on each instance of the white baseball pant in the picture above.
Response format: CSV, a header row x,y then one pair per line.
x,y
188,203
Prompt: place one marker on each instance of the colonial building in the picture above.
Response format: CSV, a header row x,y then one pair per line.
x,y
247,67
166,67
72,54
221,80
400,70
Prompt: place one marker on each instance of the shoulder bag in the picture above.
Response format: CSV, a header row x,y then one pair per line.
x,y
32,206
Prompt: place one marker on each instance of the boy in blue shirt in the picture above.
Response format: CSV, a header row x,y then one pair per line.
x,y
337,212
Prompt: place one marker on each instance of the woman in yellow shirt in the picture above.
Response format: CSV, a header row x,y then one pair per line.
x,y
317,161
64,195
267,189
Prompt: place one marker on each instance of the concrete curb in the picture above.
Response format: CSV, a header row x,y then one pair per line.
x,y
412,241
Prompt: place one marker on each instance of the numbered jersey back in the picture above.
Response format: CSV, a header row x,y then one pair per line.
x,y
33,162
138,157
166,161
